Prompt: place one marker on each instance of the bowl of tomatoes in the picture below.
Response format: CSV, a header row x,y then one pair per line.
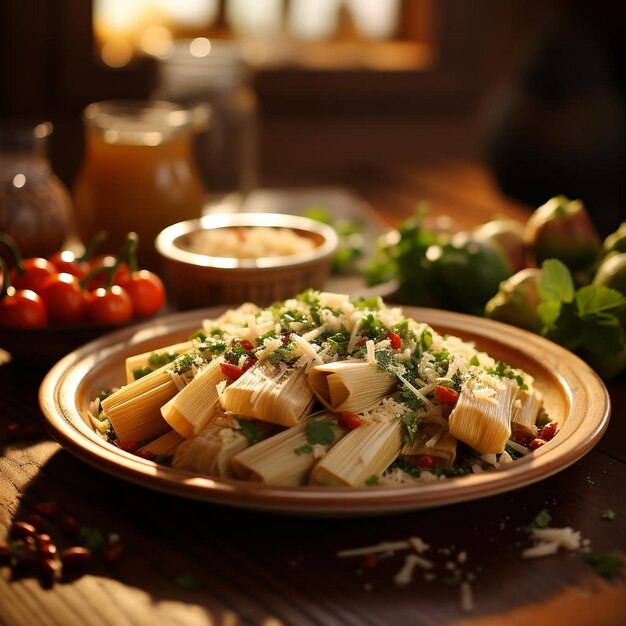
x,y
50,306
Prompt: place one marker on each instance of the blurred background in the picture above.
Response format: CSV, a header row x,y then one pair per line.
x,y
533,90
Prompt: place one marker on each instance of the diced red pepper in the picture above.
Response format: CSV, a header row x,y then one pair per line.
x,y
250,361
395,340
535,444
233,372
362,341
426,461
446,395
246,345
548,431
349,420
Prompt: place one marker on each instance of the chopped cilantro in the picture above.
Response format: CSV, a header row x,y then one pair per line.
x,y
411,423
249,430
319,432
372,481
605,565
339,342
140,372
370,304
306,449
502,370
474,361
541,520
199,335
372,328
608,514
158,359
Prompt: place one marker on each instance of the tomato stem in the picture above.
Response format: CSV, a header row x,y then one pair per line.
x,y
14,249
6,278
92,246
129,252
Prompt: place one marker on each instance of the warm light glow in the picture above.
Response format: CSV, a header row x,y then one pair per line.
x,y
200,47
255,18
19,180
156,40
313,20
152,138
374,19
116,53
190,12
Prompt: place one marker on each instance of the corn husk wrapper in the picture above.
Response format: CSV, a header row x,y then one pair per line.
x,y
350,386
284,459
193,407
366,451
139,361
271,394
435,440
525,415
211,451
165,445
484,423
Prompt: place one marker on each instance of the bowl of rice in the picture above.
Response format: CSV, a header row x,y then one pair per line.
x,y
232,258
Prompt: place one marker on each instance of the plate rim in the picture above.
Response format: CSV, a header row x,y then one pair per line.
x,y
574,376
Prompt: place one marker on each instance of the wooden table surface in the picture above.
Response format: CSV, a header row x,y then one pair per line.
x,y
187,562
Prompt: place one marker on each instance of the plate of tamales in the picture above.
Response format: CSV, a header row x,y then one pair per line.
x,y
325,405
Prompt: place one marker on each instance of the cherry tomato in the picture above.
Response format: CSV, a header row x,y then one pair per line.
x,y
146,291
349,420
22,308
446,395
64,298
426,461
395,340
233,372
66,261
36,270
101,279
109,306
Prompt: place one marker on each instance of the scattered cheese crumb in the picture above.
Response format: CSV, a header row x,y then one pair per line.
x,y
462,557
541,549
418,545
405,575
466,597
564,537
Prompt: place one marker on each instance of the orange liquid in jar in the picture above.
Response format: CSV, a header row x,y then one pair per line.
x,y
125,185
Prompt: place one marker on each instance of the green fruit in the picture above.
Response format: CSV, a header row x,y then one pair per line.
x,y
562,229
509,235
616,242
517,301
612,273
466,273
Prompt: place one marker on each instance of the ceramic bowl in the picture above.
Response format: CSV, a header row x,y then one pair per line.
x,y
195,279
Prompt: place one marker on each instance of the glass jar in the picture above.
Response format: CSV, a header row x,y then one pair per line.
x,y
214,73
35,206
138,172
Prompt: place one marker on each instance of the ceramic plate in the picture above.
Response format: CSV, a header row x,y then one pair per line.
x,y
573,394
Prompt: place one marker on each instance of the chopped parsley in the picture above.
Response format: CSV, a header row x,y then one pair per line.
x,y
306,449
318,432
249,430
91,538
502,370
608,514
372,481
605,565
411,422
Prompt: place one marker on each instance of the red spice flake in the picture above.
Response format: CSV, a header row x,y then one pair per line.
x,y
534,444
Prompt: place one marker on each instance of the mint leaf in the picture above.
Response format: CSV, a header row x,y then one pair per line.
x,y
555,284
602,334
566,328
594,299
319,432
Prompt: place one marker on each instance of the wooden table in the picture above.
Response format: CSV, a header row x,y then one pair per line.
x,y
192,563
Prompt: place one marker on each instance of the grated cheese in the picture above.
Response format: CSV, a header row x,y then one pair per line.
x,y
541,549
411,561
